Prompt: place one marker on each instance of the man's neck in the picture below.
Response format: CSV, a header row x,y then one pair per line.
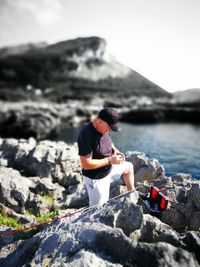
x,y
95,124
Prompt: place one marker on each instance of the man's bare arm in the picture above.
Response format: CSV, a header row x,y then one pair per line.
x,y
88,163
117,152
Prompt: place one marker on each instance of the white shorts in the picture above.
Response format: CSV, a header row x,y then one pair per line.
x,y
99,190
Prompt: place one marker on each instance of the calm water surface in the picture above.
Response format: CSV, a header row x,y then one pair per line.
x,y
176,146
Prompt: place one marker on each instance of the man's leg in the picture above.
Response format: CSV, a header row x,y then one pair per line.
x,y
125,171
128,176
98,190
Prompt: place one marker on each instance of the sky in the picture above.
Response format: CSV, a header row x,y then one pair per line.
x,y
160,39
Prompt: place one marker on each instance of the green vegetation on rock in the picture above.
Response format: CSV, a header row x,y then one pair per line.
x,y
9,221
48,216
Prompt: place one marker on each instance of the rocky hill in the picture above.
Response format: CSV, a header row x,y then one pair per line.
x,y
20,49
73,69
69,82
190,96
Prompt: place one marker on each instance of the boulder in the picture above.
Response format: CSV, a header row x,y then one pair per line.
x,y
9,148
74,197
117,190
144,168
37,205
129,218
14,151
90,259
14,189
26,120
96,229
184,211
151,228
53,168
193,196
191,240
122,212
181,178
142,254
55,160
8,244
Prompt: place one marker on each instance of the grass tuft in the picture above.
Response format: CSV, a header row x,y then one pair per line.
x,y
48,216
48,199
8,221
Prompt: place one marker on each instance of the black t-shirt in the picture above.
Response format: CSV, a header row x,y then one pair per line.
x,y
96,145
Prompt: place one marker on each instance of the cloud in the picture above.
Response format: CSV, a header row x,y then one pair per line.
x,y
44,12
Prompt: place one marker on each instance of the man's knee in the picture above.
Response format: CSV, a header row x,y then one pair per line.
x,y
129,167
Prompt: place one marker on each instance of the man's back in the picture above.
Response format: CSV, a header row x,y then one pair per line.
x,y
93,144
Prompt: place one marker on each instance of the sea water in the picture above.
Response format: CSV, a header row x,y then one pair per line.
x,y
176,146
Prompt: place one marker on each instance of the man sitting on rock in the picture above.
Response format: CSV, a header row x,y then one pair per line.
x,y
101,162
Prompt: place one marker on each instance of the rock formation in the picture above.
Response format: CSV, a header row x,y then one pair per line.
x,y
73,69
190,96
41,120
121,232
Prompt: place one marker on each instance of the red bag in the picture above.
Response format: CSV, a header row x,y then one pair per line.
x,y
159,198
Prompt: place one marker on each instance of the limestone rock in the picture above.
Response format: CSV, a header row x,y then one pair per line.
x,y
90,259
75,197
191,240
129,218
14,189
181,178
20,218
152,228
116,233
24,121
37,205
64,240
7,244
144,168
55,160
14,151
185,213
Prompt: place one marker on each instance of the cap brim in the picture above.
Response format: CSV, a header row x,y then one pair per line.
x,y
115,127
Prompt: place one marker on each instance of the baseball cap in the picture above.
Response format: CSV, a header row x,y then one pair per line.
x,y
111,117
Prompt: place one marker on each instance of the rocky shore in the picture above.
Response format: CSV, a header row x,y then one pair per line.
x,y
40,180
43,120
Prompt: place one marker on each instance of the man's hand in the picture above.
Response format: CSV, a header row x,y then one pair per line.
x,y
120,154
117,152
116,159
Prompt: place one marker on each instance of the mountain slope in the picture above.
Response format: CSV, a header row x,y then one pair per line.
x,y
78,69
188,96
